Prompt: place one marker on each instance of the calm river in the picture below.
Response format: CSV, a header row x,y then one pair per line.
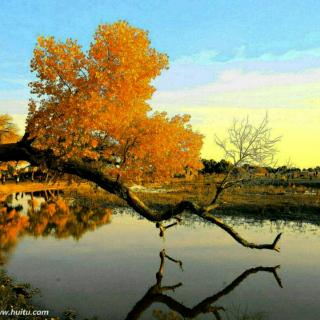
x,y
113,265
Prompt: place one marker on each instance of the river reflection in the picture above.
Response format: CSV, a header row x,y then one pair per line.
x,y
47,240
156,293
45,214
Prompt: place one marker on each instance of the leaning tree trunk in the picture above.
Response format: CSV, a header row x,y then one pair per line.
x,y
23,150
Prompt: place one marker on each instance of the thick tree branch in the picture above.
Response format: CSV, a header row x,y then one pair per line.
x,y
13,152
24,151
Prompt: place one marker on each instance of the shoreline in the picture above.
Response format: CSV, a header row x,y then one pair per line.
x,y
260,205
12,187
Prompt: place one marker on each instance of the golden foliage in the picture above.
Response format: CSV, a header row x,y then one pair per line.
x,y
56,217
12,225
59,218
8,130
94,105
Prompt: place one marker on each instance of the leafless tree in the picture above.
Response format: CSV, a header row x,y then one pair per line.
x,y
246,143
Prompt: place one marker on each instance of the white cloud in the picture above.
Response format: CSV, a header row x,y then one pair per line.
x,y
234,88
290,55
206,66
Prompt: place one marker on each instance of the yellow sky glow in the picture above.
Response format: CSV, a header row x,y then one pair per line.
x,y
291,100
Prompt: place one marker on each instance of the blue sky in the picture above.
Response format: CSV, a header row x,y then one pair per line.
x,y
179,28
225,55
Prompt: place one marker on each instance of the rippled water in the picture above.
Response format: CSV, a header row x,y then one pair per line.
x,y
102,263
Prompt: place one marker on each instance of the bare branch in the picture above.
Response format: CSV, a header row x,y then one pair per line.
x,y
23,151
247,143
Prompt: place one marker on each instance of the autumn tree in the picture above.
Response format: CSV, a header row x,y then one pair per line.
x,y
8,130
9,133
89,116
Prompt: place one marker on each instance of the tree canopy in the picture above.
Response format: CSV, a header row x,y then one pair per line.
x,y
94,105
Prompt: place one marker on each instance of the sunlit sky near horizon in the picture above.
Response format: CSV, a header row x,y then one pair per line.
x,y
227,59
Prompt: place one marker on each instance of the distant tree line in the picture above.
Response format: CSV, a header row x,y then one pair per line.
x,y
211,166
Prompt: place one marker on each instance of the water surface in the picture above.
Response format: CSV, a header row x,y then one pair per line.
x,y
102,263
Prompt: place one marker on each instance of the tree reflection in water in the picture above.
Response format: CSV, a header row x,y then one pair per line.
x,y
156,294
55,216
12,226
50,215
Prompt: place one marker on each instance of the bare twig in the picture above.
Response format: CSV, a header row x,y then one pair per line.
x,y
246,144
